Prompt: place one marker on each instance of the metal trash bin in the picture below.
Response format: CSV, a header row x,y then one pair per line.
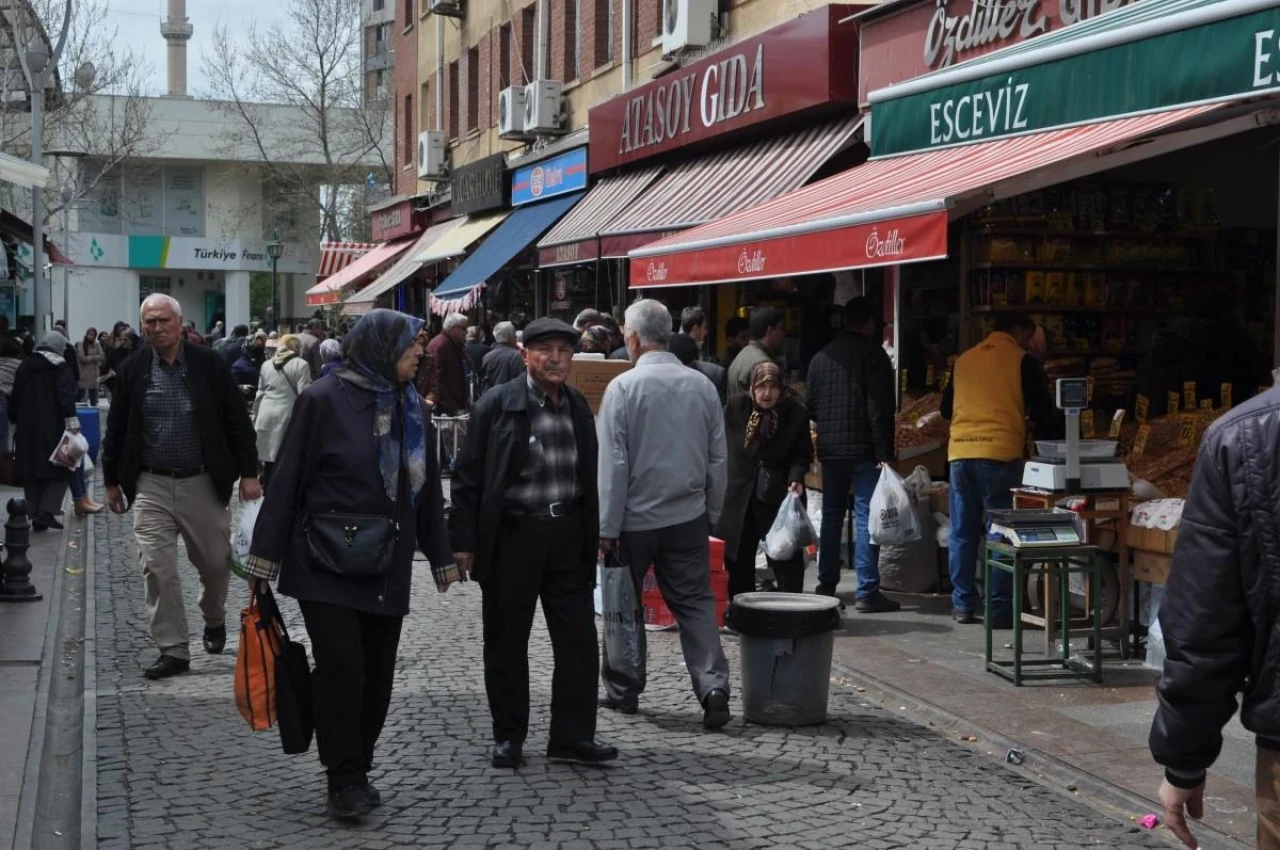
x,y
785,647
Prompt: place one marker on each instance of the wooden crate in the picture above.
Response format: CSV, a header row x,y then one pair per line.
x,y
1152,540
1151,566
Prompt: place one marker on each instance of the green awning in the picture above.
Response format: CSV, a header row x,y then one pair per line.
x,y
1147,57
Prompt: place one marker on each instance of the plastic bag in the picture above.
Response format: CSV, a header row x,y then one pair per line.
x,y
791,531
918,484
943,533
912,567
623,667
242,536
893,518
69,450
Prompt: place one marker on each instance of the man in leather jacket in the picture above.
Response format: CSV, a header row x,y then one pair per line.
x,y
1219,618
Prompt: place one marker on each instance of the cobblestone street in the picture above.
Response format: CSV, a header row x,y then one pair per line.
x,y
178,768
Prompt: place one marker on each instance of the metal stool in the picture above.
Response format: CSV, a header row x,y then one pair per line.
x,y
1058,563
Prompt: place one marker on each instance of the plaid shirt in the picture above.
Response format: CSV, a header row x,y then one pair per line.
x,y
550,472
169,436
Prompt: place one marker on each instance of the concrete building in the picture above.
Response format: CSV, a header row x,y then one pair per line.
x,y
377,24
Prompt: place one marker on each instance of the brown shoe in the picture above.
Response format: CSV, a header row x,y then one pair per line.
x,y
85,506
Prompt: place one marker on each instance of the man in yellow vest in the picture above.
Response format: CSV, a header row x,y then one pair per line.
x,y
995,387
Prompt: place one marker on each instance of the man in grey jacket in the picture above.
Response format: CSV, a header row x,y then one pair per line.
x,y
661,490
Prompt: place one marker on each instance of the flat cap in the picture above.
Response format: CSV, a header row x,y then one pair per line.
x,y
549,328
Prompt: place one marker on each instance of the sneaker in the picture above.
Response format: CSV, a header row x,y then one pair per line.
x,y
876,603
964,618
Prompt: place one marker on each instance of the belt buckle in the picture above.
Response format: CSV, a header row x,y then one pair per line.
x,y
556,509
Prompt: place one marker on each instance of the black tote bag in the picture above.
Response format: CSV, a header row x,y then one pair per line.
x,y
293,682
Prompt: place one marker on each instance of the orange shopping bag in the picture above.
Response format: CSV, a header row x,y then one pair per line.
x,y
260,643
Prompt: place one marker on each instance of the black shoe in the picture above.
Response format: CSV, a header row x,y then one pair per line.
x,y
44,520
964,618
215,640
507,754
715,710
824,589
622,706
1000,621
375,797
581,752
350,803
876,603
167,666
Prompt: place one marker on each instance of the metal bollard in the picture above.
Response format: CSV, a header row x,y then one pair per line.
x,y
16,585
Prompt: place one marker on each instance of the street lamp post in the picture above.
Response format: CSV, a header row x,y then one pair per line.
x,y
37,56
275,250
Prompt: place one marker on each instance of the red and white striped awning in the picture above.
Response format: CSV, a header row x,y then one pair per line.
x,y
330,290
573,239
719,184
885,212
336,256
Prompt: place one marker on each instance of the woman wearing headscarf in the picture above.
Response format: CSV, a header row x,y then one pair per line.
x,y
42,407
767,431
358,452
595,340
280,382
90,357
330,357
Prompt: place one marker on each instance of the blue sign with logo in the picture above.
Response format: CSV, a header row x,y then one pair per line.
x,y
558,175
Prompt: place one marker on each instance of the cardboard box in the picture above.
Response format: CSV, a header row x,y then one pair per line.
x,y
590,377
1152,540
1151,566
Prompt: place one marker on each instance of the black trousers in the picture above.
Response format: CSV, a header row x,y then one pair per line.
x,y
789,574
355,655
538,560
265,477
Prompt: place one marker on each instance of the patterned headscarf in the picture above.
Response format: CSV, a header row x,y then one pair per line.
x,y
595,340
289,347
371,352
762,424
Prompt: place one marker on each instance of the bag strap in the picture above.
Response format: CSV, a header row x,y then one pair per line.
x,y
269,612
281,371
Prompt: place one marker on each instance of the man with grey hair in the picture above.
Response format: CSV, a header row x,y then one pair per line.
x,y
504,362
178,436
586,319
442,378
661,489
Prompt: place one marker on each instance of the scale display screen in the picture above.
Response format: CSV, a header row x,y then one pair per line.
x,y
1073,393
1037,535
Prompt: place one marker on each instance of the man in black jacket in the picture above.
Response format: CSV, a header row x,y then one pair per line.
x,y
850,391
503,363
525,524
1220,618
178,437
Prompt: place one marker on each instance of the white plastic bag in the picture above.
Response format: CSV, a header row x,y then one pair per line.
x,y
893,518
944,529
791,530
242,536
69,450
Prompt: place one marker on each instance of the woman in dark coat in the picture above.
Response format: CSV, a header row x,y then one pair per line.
x,y
767,431
42,407
357,445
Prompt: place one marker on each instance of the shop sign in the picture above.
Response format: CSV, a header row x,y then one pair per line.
x,y
905,240
930,36
179,252
395,221
558,175
1236,57
480,186
791,68
587,250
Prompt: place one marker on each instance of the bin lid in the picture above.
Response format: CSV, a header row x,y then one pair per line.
x,y
798,603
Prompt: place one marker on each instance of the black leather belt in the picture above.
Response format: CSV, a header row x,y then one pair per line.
x,y
189,472
554,511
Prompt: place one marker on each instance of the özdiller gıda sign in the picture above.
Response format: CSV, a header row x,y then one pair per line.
x,y
1148,57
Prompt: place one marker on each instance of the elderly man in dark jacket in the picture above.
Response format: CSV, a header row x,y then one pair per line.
x,y
1220,618
851,398
525,524
178,437
503,363
442,377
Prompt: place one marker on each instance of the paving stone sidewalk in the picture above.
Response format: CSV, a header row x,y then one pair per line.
x,y
178,768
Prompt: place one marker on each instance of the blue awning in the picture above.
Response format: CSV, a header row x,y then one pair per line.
x,y
511,237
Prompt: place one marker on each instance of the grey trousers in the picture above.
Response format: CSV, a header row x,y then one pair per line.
x,y
46,494
680,556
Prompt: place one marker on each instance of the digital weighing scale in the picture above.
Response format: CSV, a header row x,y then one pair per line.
x,y
1029,529
1073,473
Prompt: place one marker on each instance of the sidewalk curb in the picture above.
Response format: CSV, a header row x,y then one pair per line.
x,y
24,831
89,676
1051,772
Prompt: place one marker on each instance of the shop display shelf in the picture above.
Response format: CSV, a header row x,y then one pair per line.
x,y
1059,308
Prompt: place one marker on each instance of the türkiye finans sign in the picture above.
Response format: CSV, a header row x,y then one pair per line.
x,y
805,63
1236,57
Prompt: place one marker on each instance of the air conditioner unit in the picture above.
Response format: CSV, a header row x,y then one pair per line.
x,y
543,107
431,150
511,113
687,23
447,8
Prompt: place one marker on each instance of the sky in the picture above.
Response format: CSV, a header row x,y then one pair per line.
x,y
138,23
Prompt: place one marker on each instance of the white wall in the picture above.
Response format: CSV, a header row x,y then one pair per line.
x,y
100,297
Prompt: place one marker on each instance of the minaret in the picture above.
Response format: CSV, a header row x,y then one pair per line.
x,y
176,29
